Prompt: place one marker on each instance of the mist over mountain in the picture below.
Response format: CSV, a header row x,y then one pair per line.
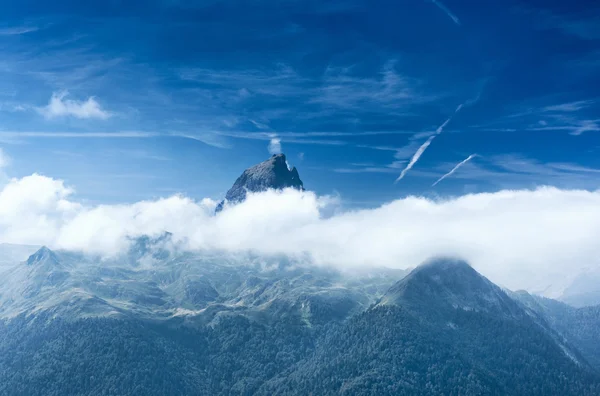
x,y
496,232
300,197
160,318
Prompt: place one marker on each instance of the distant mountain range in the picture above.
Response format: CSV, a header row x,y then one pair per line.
x,y
155,321
227,324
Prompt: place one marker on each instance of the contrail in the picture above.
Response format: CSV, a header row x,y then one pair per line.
x,y
424,146
447,11
469,158
415,157
441,127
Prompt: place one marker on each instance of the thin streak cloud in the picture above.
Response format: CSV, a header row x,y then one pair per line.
x,y
441,127
447,11
415,158
424,146
76,135
469,158
18,30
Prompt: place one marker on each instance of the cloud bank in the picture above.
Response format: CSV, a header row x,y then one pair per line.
x,y
527,239
59,106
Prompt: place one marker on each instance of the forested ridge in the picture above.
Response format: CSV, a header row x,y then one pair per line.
x,y
442,330
384,350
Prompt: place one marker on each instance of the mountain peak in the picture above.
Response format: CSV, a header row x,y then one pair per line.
x,y
274,173
442,283
279,156
438,264
43,254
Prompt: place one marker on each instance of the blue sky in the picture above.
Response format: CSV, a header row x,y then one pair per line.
x,y
132,100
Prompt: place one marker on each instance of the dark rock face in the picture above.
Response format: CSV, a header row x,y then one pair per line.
x,y
270,174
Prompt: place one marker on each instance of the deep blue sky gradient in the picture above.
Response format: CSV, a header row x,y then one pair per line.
x,y
351,88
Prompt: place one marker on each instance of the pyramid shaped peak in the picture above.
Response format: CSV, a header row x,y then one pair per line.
x,y
43,254
442,284
444,264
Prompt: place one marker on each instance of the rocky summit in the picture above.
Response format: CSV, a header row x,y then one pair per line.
x,y
273,173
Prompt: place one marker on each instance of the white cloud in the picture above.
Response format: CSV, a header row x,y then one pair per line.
x,y
34,208
520,239
275,145
59,106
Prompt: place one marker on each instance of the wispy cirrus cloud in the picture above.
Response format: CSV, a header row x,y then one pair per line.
x,y
245,81
326,105
138,154
60,106
524,165
17,30
78,135
573,126
212,138
447,11
388,88
569,106
364,168
518,171
501,170
285,137
340,91
582,25
209,138
574,117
